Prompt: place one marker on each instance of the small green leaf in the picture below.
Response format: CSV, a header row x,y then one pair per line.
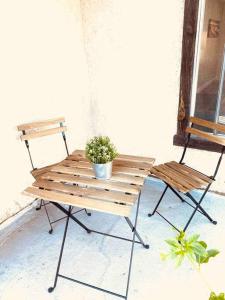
x,y
213,296
203,244
172,243
193,238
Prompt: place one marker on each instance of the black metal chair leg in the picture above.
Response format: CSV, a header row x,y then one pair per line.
x,y
201,209
88,213
49,221
136,233
157,205
51,289
40,205
197,207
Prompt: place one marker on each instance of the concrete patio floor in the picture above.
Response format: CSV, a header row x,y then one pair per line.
x,y
29,254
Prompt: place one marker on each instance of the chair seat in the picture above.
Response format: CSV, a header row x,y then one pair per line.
x,y
40,171
180,176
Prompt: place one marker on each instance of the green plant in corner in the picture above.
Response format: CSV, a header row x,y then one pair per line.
x,y
197,253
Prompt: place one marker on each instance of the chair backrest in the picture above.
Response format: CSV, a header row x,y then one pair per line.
x,y
205,135
43,128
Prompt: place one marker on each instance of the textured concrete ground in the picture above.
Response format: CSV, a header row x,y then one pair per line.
x,y
28,256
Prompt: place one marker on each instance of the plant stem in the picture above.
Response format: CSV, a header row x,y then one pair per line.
x,y
198,270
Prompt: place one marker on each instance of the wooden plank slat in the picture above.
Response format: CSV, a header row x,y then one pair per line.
x,y
89,173
83,202
90,192
176,172
121,160
101,184
205,135
37,172
167,179
201,178
176,179
122,156
122,170
46,132
117,162
38,124
207,124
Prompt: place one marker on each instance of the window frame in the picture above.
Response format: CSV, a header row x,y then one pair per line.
x,y
189,44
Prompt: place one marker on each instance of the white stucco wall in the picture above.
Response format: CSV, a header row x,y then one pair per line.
x,y
134,52
109,66
42,75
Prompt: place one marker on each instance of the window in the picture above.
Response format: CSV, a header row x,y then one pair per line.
x,y
202,90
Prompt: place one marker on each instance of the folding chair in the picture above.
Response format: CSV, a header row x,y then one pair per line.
x,y
40,129
182,179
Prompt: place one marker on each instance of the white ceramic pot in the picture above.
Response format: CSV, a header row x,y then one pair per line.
x,y
103,171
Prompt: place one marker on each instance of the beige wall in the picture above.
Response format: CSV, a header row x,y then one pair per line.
x,y
133,52
42,75
210,57
123,83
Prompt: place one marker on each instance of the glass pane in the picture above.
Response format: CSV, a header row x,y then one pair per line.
x,y
210,62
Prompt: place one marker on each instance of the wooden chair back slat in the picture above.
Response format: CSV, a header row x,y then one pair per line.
x,y
42,133
207,124
41,128
44,123
206,135
212,138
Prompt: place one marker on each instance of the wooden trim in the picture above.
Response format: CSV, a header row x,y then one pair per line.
x,y
190,28
33,125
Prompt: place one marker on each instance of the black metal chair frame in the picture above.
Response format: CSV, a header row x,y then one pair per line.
x,y
42,202
196,204
133,241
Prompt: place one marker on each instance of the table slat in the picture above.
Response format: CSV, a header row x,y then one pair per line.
x,y
101,184
90,173
83,202
90,192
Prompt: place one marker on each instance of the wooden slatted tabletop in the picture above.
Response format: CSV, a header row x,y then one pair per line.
x,y
73,182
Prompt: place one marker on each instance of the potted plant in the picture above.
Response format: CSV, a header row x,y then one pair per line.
x,y
101,152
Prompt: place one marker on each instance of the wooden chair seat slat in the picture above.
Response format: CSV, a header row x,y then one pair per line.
x,y
195,175
168,180
182,177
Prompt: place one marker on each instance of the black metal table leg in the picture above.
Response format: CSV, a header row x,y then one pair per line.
x,y
132,247
61,251
136,233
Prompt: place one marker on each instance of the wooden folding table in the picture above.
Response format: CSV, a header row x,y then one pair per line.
x,y
72,182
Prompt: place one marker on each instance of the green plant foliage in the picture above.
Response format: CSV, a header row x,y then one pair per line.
x,y
182,247
100,150
213,296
